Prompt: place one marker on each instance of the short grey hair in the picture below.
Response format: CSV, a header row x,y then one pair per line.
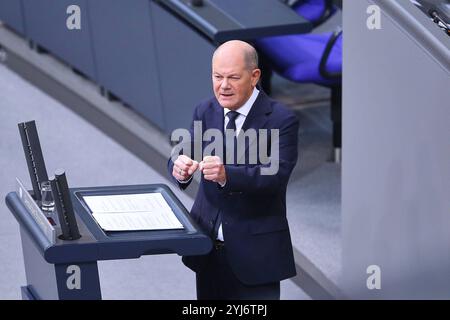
x,y
251,58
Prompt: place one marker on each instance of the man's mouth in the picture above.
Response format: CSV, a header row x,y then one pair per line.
x,y
226,95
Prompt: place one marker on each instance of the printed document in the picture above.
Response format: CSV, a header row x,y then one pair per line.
x,y
144,211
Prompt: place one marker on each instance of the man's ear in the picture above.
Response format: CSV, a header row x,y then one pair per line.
x,y
256,75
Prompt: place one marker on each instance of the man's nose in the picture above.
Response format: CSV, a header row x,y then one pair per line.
x,y
225,84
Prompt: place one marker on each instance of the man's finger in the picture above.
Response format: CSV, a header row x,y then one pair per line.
x,y
179,165
176,175
193,168
209,159
185,159
210,171
210,177
210,165
180,177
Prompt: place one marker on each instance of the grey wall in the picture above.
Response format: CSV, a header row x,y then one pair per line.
x,y
11,13
396,161
151,60
125,55
46,25
184,63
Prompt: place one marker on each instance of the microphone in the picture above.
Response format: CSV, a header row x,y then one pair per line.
x,y
434,14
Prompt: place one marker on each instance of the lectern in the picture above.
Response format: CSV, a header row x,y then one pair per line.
x,y
62,269
61,250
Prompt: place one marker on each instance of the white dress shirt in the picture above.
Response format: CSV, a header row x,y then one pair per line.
x,y
243,112
240,119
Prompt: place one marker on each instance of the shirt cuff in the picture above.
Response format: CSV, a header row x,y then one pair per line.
x,y
222,185
185,181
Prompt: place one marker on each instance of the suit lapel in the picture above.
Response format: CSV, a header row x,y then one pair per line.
x,y
214,119
257,118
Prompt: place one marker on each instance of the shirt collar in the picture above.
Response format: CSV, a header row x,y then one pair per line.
x,y
245,109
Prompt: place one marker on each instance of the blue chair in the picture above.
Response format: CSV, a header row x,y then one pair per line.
x,y
310,58
315,11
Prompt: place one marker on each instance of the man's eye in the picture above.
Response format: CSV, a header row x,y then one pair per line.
x,y
218,77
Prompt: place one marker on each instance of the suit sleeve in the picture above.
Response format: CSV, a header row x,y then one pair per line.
x,y
170,163
248,179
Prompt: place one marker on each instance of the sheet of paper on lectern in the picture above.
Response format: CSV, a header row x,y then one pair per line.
x,y
132,212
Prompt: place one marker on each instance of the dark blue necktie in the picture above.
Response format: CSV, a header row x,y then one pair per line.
x,y
231,125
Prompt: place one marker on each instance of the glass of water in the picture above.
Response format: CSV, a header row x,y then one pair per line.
x,y
48,204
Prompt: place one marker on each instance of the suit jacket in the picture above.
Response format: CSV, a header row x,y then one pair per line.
x,y
253,206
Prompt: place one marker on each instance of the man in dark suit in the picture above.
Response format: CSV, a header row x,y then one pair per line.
x,y
242,206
